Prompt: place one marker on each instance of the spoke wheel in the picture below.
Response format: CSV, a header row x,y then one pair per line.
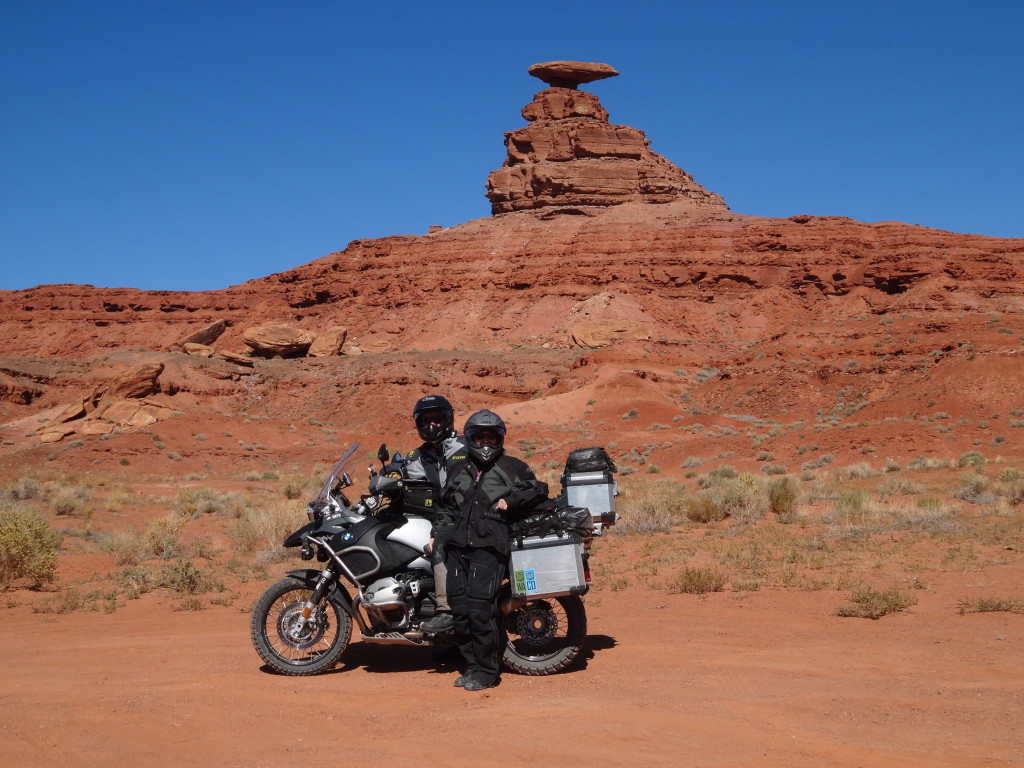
x,y
545,636
291,646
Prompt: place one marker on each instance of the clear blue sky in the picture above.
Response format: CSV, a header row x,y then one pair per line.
x,y
197,144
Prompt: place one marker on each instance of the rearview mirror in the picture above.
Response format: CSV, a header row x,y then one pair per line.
x,y
382,454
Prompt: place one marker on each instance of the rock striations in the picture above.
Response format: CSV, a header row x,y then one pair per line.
x,y
615,321
570,155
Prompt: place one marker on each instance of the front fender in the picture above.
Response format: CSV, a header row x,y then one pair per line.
x,y
312,576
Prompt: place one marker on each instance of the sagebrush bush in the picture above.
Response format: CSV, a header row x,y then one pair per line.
x,y
26,488
701,509
651,506
869,603
127,547
163,536
971,459
782,496
743,499
28,547
186,579
191,504
135,580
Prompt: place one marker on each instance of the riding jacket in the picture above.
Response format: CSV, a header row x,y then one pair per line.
x,y
424,471
468,516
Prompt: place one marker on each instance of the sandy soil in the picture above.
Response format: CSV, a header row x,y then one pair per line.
x,y
766,678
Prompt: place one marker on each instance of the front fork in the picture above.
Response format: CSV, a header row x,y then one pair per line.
x,y
319,591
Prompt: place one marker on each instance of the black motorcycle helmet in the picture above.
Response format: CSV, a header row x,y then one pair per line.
x,y
482,422
431,430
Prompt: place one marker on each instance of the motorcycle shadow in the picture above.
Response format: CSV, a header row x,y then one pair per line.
x,y
441,660
594,644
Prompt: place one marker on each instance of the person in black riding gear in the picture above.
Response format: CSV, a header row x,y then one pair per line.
x,y
484,493
424,471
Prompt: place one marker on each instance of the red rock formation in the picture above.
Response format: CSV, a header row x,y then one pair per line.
x,y
564,318
570,155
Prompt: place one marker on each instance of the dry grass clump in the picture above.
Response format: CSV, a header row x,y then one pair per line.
x,y
162,539
651,506
894,485
28,547
702,509
860,471
185,578
193,503
971,459
973,488
262,530
990,605
870,603
742,498
783,493
696,581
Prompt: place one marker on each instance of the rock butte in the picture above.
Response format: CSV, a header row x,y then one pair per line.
x,y
570,155
580,301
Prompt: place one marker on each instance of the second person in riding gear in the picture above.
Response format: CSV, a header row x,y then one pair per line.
x,y
483,494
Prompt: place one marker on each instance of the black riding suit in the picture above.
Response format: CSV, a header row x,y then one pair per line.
x,y
476,536
424,471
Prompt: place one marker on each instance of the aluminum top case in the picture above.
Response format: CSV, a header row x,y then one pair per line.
x,y
594,490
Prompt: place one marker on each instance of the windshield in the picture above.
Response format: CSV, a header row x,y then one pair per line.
x,y
335,473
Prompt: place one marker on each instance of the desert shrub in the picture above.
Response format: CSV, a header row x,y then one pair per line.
x,y
696,581
127,547
294,487
135,580
28,547
65,501
991,604
782,497
972,488
932,518
186,579
869,603
850,507
26,489
692,462
818,463
191,504
261,530
651,506
71,600
773,469
742,499
701,509
971,459
893,486
860,471
717,475
162,536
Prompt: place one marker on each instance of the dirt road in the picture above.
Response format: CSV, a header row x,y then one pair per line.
x,y
760,679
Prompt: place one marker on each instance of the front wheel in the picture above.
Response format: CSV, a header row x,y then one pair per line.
x,y
545,636
285,643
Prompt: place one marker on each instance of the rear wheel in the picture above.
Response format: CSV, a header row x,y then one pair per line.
x,y
545,636
290,646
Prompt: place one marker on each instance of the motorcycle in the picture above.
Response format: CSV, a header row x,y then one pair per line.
x,y
377,576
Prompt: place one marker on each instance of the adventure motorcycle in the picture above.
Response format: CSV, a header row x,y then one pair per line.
x,y
378,575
